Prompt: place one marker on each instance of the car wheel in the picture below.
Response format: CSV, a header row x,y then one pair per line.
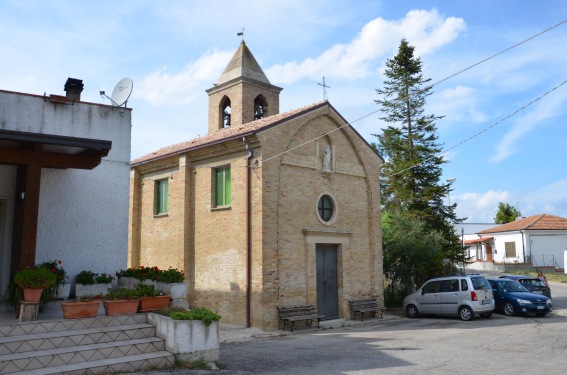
x,y
466,313
508,309
412,312
486,315
540,314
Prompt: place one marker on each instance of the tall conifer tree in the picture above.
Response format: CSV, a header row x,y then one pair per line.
x,y
410,179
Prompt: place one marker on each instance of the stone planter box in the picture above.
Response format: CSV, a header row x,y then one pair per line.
x,y
86,290
120,306
177,291
148,304
128,282
64,291
74,310
189,340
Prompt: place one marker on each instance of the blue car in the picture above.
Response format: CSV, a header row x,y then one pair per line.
x,y
511,298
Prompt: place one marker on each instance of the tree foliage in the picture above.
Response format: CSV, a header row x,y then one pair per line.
x,y
506,213
412,252
411,176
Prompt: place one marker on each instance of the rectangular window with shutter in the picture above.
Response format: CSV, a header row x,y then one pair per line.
x,y
222,186
161,205
510,248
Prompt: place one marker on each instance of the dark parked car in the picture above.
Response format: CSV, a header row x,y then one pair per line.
x,y
533,284
511,298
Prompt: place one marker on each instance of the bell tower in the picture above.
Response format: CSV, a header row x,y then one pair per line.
x,y
242,94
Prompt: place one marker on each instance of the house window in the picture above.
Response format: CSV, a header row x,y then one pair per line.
x,y
325,208
222,186
161,197
510,249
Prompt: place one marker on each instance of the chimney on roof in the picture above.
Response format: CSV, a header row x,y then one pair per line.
x,y
74,87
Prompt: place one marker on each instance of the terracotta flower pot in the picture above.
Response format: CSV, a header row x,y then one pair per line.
x,y
120,307
73,310
32,295
153,303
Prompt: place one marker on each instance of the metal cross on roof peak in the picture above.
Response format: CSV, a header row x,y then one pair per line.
x,y
325,87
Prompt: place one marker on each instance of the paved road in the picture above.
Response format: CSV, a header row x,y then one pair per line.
x,y
429,345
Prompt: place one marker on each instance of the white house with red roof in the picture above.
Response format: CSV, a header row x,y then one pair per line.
x,y
539,241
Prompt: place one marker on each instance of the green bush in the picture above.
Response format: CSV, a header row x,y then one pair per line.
x,y
148,291
35,278
198,313
85,278
171,275
103,278
122,293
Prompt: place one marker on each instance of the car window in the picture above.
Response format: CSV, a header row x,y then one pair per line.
x,y
494,285
513,286
431,287
449,286
464,285
480,282
532,282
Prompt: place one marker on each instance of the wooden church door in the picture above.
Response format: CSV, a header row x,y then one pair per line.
x,y
327,286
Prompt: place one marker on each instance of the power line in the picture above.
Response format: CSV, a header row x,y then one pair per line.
x,y
483,130
436,83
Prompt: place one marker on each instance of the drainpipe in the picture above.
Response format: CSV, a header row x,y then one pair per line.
x,y
248,238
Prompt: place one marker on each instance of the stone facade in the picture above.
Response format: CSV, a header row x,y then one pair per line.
x,y
245,259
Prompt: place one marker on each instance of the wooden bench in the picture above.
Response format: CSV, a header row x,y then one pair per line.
x,y
291,314
366,305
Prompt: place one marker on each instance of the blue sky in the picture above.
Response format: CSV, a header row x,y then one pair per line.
x,y
175,50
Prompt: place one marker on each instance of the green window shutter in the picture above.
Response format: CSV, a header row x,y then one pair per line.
x,y
222,186
162,197
227,185
165,195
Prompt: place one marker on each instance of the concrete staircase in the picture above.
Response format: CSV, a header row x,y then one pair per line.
x,y
101,345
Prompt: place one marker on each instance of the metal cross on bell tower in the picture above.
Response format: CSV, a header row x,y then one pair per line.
x,y
325,87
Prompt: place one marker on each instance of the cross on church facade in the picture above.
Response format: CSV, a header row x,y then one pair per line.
x,y
325,87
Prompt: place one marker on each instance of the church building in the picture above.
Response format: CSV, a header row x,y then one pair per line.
x,y
268,209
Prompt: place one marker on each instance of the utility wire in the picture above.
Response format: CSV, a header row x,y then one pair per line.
x,y
482,131
436,83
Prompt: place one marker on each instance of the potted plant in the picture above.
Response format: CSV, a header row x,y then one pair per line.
x,y
60,289
83,307
151,299
33,281
88,283
191,334
121,301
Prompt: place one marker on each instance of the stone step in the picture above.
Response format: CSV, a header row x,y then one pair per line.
x,y
17,329
10,363
62,339
130,363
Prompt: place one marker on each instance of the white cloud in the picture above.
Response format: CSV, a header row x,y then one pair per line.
x,y
480,207
427,30
162,88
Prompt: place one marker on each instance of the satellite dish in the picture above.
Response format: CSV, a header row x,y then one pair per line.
x,y
122,92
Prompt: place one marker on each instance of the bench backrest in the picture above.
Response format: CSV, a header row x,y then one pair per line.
x,y
363,303
291,311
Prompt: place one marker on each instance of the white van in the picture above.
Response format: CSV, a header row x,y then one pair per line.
x,y
464,296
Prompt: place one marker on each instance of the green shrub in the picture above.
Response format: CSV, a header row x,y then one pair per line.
x,y
171,275
198,313
103,278
122,293
148,291
35,278
85,278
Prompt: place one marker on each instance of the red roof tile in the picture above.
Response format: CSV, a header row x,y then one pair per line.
x,y
478,240
227,134
535,222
